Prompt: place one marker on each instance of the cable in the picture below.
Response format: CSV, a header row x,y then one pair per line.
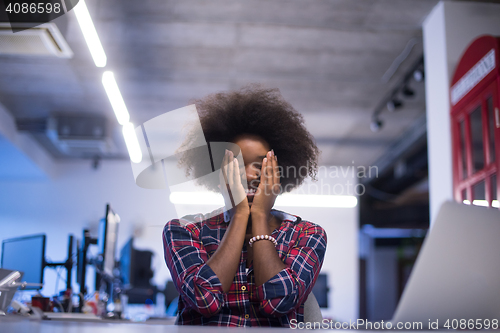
x,y
57,281
399,60
56,302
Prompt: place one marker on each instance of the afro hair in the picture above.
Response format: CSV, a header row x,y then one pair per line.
x,y
263,112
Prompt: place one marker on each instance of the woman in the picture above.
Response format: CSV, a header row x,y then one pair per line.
x,y
251,265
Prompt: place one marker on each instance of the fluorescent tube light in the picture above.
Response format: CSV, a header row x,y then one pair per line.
x,y
90,34
196,198
115,97
134,150
285,200
315,200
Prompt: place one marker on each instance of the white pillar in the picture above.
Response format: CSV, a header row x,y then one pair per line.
x,y
447,32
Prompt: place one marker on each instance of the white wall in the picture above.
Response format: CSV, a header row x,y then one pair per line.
x,y
447,32
76,197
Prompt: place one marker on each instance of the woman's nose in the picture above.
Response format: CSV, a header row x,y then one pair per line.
x,y
252,174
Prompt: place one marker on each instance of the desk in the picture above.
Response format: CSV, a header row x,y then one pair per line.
x,y
17,324
20,324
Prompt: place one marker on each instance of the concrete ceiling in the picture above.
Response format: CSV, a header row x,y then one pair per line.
x,y
326,57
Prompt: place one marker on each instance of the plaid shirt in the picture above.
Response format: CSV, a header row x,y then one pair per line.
x,y
189,243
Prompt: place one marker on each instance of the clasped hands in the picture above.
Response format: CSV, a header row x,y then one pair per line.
x,y
233,191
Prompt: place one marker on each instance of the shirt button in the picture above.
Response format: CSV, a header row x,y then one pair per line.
x,y
247,316
243,288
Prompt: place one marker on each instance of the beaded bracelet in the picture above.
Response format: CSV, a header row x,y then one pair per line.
x,y
257,238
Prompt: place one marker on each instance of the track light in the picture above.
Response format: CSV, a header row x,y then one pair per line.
x,y
394,104
395,98
407,91
376,125
418,75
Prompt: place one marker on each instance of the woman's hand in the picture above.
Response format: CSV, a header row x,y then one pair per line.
x,y
269,186
230,185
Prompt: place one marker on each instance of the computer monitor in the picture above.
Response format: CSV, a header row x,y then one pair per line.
x,y
171,293
136,273
107,239
126,262
135,266
27,255
320,290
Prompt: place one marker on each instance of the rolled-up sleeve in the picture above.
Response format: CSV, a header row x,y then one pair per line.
x,y
289,288
186,259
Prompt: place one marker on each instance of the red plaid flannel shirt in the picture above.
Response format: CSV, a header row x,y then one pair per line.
x,y
190,241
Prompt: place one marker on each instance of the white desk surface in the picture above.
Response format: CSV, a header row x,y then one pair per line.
x,y
18,324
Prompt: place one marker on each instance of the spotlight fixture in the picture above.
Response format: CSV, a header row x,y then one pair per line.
x,y
394,104
392,101
376,125
407,91
418,75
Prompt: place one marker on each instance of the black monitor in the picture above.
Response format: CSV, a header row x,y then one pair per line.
x,y
25,254
136,273
107,239
135,266
320,290
170,292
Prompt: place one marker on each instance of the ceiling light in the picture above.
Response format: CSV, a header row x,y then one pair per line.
x,y
134,150
90,34
376,125
285,200
310,200
115,97
394,104
196,198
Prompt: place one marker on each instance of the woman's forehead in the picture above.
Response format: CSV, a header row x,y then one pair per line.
x,y
251,143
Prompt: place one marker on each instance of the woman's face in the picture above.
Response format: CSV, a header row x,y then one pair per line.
x,y
253,149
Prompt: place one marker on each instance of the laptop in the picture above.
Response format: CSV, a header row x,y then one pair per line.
x,y
457,273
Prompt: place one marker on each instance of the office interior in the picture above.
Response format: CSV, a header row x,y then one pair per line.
x,y
371,78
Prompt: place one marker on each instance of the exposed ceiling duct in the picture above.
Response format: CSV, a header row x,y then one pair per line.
x,y
73,135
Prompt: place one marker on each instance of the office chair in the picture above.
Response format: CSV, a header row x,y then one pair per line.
x,y
312,312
